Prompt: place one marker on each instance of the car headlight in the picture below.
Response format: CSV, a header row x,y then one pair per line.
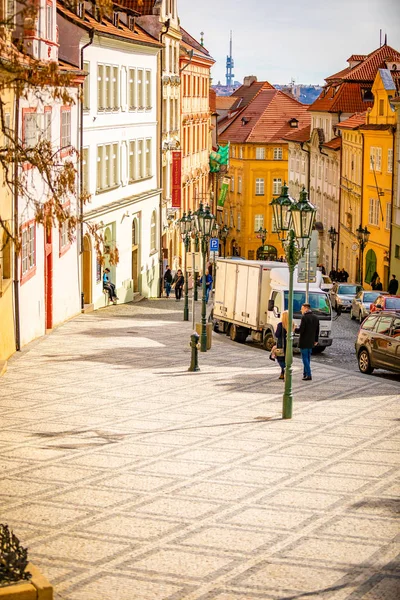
x,y
324,333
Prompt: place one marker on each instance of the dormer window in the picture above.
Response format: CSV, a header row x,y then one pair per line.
x,y
131,23
80,9
294,123
116,19
367,95
245,120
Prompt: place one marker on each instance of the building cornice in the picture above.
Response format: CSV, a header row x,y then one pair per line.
x,y
117,204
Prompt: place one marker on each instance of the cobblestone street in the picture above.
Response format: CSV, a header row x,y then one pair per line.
x,y
129,478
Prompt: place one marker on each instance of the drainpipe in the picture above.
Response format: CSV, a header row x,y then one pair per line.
x,y
309,165
340,207
361,255
91,37
17,323
161,253
391,204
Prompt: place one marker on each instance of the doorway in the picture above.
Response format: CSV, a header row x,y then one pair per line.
x,y
48,277
87,270
135,255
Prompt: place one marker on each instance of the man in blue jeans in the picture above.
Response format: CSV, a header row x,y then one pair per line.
x,y
309,333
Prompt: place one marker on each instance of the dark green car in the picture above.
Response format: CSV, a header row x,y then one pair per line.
x,y
378,342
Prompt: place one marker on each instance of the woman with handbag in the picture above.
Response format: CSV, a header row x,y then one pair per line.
x,y
280,350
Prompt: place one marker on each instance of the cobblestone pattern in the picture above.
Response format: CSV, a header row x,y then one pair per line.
x,y
130,478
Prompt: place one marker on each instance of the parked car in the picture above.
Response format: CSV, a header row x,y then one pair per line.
x,y
385,302
378,342
360,306
342,295
327,283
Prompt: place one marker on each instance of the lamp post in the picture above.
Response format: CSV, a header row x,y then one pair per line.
x,y
262,235
333,235
194,272
363,237
204,222
223,234
185,224
294,223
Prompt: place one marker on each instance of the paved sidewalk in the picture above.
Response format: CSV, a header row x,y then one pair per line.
x,y
131,479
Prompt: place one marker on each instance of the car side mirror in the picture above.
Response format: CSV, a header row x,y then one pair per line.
x,y
277,314
379,306
271,305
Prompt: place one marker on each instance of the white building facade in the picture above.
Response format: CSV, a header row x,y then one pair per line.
x,y
119,158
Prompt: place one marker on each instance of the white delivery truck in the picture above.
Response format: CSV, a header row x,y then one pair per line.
x,y
251,295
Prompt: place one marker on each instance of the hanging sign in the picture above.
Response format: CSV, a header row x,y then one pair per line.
x,y
223,191
176,179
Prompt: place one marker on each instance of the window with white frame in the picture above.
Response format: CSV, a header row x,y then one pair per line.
x,y
239,222
132,89
148,90
373,213
388,215
64,240
375,158
259,186
241,152
390,160
239,189
277,153
260,153
47,124
10,13
233,151
85,170
258,222
148,157
232,184
86,87
31,128
132,161
49,21
140,89
107,166
28,248
141,159
153,232
107,87
276,186
65,127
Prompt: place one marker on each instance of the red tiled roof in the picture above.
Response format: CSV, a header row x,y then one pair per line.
x,y
226,102
247,93
106,26
376,127
347,98
338,75
212,100
333,144
144,7
353,122
355,57
299,135
193,43
266,118
367,69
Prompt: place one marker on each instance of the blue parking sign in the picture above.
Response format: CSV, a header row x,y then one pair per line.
x,y
214,244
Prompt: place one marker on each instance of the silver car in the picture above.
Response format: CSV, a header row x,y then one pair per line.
x,y
360,306
342,295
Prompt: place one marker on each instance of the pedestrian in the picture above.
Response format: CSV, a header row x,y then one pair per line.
x,y
209,281
178,282
110,287
345,275
333,275
281,338
309,333
378,284
393,285
167,281
373,279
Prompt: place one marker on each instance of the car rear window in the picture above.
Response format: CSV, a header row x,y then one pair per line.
x,y
370,296
392,303
347,289
370,322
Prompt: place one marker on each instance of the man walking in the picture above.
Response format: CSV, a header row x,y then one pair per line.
x,y
393,285
309,332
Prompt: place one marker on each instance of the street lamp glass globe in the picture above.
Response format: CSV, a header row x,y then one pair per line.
x,y
303,218
206,222
281,207
188,223
182,224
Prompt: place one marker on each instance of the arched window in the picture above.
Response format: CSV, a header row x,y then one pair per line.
x,y
370,265
153,231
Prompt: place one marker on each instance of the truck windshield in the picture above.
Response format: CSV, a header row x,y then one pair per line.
x,y
319,302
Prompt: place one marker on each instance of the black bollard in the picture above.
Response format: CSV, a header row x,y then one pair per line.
x,y
194,344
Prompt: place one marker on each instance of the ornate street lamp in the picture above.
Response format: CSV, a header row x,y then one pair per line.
x,y
223,234
262,235
363,237
185,225
333,236
204,221
294,223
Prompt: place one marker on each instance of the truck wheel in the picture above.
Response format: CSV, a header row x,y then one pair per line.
x,y
318,349
268,342
364,363
238,334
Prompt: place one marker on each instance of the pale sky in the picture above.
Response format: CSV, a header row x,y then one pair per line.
x,y
280,39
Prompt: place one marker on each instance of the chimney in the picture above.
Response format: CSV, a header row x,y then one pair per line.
x,y
247,81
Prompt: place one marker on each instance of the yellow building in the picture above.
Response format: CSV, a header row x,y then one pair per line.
x,y
377,190
7,336
395,237
258,168
351,181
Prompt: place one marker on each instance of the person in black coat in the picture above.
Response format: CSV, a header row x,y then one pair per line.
x,y
309,333
281,336
179,280
393,285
